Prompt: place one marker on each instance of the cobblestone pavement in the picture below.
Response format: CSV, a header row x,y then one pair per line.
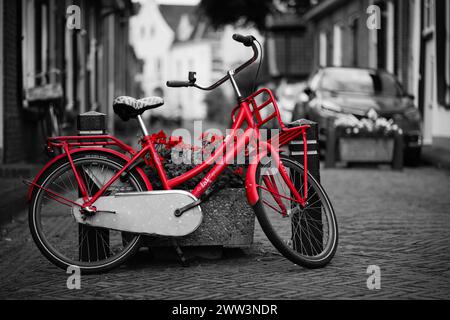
x,y
397,220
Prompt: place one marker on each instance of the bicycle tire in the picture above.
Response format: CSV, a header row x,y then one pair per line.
x,y
289,247
131,242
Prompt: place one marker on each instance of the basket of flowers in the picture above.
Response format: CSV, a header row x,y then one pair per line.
x,y
369,139
228,220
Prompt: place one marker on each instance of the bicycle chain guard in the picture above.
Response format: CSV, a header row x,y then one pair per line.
x,y
150,213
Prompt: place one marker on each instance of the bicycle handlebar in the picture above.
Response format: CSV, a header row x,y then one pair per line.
x,y
245,40
178,84
248,41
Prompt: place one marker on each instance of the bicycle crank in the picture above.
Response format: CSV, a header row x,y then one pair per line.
x,y
148,213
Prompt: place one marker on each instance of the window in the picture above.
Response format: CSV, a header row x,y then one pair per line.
x,y
337,45
35,43
442,34
354,38
447,59
385,37
428,18
44,40
323,43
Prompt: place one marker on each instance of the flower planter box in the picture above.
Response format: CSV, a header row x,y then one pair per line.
x,y
365,149
228,221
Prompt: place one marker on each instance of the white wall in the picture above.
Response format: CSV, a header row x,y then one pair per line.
x,y
152,38
232,52
180,58
441,122
192,56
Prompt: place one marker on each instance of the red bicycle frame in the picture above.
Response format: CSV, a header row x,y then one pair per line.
x,y
248,111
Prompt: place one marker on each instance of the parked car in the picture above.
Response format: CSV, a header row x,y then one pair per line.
x,y
288,94
334,92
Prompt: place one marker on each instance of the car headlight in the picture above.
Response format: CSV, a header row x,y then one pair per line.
x,y
331,107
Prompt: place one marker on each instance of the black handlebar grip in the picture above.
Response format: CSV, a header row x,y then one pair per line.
x,y
245,40
178,84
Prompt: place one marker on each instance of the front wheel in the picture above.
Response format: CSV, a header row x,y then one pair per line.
x,y
306,236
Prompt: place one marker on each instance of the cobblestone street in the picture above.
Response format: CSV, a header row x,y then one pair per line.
x,y
396,220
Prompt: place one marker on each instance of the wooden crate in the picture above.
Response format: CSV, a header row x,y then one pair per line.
x,y
366,149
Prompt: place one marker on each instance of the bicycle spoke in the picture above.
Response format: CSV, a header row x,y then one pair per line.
x,y
306,232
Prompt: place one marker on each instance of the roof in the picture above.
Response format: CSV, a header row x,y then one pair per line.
x,y
322,8
173,13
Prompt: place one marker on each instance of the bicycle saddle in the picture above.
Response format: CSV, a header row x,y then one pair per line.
x,y
127,107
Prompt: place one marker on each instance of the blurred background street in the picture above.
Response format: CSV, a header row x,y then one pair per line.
x,y
373,74
63,58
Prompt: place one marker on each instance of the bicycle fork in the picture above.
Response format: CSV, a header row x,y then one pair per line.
x,y
272,187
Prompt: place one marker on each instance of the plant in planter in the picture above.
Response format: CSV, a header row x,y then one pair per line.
x,y
178,158
368,139
228,220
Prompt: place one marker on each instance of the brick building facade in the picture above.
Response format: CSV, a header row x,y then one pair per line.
x,y
91,64
12,126
288,47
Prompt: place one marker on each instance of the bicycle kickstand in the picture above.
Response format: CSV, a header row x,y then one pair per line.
x,y
180,254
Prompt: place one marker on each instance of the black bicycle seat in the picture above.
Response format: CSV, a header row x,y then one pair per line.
x,y
128,107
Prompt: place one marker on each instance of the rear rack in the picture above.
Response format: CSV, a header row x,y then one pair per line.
x,y
262,118
88,141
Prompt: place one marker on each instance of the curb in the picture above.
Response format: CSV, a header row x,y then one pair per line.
x,y
13,191
438,157
12,202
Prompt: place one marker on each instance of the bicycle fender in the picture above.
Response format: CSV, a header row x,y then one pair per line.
x,y
250,179
76,151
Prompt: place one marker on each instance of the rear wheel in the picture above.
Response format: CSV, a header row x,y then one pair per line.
x,y
59,237
307,236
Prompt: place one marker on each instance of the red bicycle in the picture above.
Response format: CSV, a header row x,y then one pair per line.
x,y
96,190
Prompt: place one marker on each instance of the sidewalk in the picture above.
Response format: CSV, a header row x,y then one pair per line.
x,y
12,190
436,156
395,220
